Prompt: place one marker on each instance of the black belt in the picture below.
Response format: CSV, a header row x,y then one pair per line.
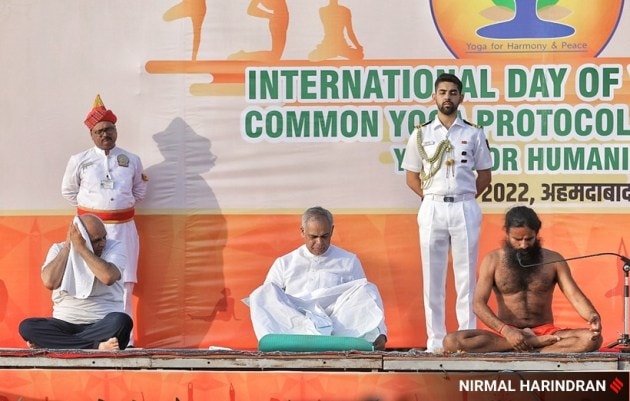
x,y
450,198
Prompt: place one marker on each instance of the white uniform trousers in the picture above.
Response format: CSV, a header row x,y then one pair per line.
x,y
444,225
128,235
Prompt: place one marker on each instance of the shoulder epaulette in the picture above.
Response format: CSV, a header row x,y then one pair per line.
x,y
471,124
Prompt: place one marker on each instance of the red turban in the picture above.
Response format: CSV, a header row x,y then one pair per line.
x,y
99,113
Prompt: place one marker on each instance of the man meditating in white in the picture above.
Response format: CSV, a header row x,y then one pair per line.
x,y
318,289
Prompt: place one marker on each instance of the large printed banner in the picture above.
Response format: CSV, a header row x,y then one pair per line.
x,y
245,113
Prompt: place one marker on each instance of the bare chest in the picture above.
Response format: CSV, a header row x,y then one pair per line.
x,y
537,280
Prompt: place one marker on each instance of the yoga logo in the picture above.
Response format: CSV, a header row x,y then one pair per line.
x,y
526,23
522,28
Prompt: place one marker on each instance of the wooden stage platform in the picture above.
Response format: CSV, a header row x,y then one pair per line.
x,y
196,374
412,360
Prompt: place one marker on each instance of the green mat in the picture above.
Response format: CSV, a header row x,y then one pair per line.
x,y
311,343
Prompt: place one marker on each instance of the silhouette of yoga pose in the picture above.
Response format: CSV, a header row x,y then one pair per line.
x,y
196,11
337,23
278,14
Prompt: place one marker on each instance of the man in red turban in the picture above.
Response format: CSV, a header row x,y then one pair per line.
x,y
107,181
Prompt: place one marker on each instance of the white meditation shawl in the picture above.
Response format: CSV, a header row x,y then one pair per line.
x,y
78,279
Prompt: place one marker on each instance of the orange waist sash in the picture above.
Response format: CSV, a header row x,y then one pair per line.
x,y
110,216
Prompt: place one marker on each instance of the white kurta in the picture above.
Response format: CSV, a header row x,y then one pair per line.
x,y
94,180
326,295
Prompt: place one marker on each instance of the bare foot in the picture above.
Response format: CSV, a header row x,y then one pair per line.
x,y
32,345
109,345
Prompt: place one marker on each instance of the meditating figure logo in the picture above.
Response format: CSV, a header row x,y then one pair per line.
x,y
508,29
526,22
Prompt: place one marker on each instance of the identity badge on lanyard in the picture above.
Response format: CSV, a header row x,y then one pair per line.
x,y
107,182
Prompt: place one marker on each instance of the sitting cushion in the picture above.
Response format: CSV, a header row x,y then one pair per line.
x,y
312,343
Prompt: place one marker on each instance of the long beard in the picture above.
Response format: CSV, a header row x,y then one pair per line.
x,y
517,258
